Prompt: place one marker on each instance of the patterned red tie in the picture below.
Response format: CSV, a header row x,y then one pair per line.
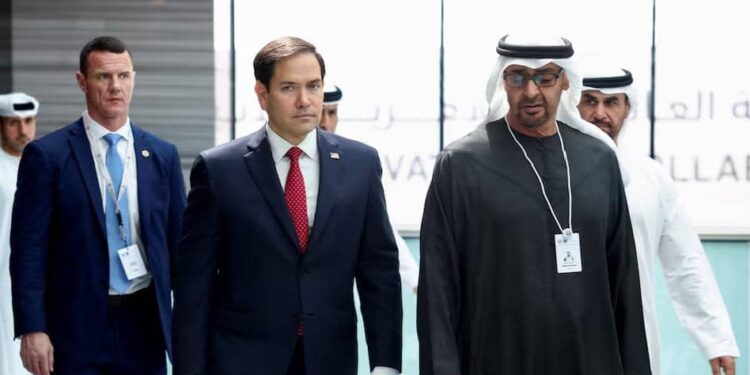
x,y
296,198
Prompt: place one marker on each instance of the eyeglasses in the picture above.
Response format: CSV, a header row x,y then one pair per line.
x,y
541,80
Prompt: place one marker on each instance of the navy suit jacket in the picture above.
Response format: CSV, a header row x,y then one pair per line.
x,y
242,287
59,258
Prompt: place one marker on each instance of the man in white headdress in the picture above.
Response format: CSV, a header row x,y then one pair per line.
x,y
17,128
408,268
329,120
528,261
662,229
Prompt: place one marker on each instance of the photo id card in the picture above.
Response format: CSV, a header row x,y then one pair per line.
x,y
568,249
131,260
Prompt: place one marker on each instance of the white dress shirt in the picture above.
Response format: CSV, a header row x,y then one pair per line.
x,y
661,228
126,150
309,164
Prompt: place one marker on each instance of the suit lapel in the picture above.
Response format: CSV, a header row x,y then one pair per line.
x,y
144,166
260,165
331,174
82,152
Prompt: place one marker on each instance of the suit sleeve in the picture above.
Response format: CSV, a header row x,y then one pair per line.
x,y
625,284
693,289
195,275
438,307
176,207
31,224
378,280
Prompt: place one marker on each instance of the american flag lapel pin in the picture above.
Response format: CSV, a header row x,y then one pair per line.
x,y
335,155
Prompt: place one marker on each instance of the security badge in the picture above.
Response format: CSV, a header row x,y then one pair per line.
x,y
132,262
568,250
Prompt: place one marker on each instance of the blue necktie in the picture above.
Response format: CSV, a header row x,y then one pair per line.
x,y
118,281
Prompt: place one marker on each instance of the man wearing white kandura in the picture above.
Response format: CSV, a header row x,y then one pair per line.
x,y
662,229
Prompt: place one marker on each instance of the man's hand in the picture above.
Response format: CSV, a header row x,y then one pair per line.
x,y
36,353
718,363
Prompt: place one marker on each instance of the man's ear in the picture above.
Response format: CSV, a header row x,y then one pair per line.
x,y
81,79
565,82
262,92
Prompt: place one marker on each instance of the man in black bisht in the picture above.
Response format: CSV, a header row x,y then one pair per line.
x,y
528,262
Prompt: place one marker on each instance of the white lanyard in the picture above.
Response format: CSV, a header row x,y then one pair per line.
x,y
567,231
116,198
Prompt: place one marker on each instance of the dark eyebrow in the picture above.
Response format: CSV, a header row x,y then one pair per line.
x,y
523,71
589,96
612,100
515,71
544,71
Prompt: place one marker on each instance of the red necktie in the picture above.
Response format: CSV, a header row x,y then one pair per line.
x,y
296,198
296,202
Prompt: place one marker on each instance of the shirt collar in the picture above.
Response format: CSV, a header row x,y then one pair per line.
x,y
98,131
279,146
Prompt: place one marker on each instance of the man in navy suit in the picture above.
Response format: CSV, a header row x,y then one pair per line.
x,y
279,225
95,225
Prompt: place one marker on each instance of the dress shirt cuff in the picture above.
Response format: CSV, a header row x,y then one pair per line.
x,y
380,370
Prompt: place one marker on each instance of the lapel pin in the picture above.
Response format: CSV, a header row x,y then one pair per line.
x,y
145,153
335,155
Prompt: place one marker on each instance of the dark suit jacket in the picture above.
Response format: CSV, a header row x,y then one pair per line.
x,y
59,258
242,286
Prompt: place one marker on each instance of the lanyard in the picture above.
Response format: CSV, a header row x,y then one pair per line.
x,y
567,231
109,186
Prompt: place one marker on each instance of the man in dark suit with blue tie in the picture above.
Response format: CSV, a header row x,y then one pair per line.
x,y
279,225
95,225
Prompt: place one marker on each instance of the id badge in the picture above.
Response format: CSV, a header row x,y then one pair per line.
x,y
568,249
132,262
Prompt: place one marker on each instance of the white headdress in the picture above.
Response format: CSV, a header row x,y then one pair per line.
x,y
611,81
332,94
18,104
535,52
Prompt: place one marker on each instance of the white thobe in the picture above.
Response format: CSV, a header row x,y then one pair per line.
x,y
662,229
10,360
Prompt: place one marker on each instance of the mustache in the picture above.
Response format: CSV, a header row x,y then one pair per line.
x,y
601,122
531,102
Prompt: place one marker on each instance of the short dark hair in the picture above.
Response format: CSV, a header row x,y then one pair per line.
x,y
101,43
279,49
